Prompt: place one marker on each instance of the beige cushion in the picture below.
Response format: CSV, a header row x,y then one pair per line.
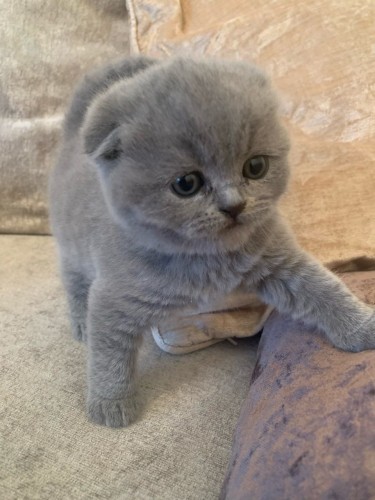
x,y
321,57
179,448
45,47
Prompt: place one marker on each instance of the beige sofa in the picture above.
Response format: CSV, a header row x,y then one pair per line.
x,y
319,56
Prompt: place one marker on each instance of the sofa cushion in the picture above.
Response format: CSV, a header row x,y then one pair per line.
x,y
320,56
46,46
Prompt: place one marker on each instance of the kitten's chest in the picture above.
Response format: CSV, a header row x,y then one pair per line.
x,y
202,278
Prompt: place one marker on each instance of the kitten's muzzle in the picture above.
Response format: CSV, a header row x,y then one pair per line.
x,y
233,210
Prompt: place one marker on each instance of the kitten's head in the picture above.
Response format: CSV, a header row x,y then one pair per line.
x,y
190,153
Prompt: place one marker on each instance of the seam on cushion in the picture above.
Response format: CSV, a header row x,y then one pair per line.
x,y
15,124
134,42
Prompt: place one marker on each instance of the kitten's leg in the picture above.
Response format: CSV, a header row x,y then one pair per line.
x,y
302,288
115,325
77,287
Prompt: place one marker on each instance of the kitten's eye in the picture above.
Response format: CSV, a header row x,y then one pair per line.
x,y
256,167
188,185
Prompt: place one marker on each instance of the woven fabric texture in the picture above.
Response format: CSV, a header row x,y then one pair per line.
x,y
46,47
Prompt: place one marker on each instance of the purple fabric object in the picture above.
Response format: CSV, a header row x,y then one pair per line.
x,y
307,427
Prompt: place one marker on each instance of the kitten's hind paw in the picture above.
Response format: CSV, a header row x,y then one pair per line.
x,y
112,412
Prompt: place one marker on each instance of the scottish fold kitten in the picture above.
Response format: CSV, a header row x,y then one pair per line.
x,y
165,196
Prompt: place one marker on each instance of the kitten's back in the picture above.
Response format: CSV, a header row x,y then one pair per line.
x,y
96,82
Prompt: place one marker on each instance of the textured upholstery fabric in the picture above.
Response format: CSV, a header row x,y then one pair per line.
x,y
307,426
179,449
320,56
46,46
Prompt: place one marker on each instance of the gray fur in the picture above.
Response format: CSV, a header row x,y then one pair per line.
x,y
133,252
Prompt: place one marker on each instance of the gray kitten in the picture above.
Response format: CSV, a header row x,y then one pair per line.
x,y
164,197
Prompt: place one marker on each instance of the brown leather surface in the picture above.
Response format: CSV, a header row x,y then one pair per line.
x,y
307,428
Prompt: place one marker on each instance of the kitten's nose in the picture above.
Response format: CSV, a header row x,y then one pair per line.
x,y
233,210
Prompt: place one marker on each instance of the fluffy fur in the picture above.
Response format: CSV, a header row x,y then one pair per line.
x,y
132,251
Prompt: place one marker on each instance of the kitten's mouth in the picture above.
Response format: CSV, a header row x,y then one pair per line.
x,y
232,224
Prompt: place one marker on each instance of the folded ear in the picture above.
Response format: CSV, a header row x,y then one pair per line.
x,y
109,150
101,138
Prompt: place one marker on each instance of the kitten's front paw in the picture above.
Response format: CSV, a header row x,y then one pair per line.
x,y
361,339
112,412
